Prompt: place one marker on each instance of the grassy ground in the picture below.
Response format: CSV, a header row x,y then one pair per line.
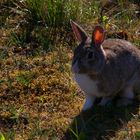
x,y
39,99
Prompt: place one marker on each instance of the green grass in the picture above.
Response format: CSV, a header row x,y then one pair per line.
x,y
2,136
38,96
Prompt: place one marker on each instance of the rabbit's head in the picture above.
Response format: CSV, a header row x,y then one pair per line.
x,y
89,56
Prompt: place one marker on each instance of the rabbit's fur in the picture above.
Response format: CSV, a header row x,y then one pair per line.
x,y
105,68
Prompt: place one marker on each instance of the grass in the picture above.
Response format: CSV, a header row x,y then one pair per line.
x,y
104,123
39,99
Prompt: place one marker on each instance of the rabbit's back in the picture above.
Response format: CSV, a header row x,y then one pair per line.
x,y
119,46
122,65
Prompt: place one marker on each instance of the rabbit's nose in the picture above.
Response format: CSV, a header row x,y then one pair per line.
x,y
75,67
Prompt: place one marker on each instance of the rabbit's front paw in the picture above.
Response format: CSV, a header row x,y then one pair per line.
x,y
88,103
105,101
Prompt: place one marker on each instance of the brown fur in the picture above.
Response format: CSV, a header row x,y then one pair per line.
x,y
122,62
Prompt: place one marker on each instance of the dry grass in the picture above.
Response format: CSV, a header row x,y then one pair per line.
x,y
39,99
33,90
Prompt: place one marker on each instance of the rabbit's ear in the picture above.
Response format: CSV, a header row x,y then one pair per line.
x,y
98,35
80,34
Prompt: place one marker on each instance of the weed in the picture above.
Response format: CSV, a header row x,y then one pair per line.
x,y
16,40
24,78
2,137
3,53
137,135
10,135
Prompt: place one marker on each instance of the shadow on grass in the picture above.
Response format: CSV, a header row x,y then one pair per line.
x,y
100,123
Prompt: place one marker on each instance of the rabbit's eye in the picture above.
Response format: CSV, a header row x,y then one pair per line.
x,y
90,55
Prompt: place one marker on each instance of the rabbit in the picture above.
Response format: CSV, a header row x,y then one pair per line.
x,y
105,68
